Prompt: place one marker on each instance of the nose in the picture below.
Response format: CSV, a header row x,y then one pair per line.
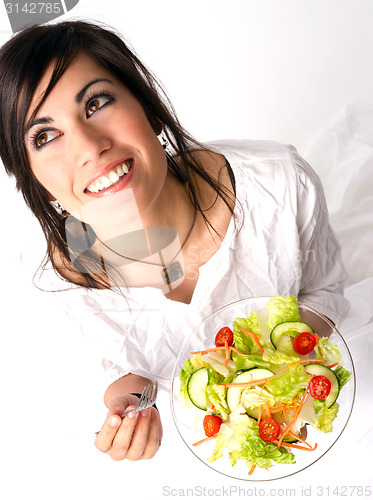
x,y
87,144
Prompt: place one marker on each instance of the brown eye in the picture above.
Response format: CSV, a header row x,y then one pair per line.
x,y
96,103
42,139
93,105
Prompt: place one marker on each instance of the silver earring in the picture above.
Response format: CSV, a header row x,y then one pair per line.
x,y
57,206
172,165
165,142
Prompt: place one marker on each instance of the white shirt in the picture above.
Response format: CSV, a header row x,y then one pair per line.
x,y
285,246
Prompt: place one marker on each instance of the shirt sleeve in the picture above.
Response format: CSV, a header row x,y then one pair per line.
x,y
323,272
112,372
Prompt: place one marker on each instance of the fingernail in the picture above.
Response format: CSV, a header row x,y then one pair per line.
x,y
114,422
132,414
144,413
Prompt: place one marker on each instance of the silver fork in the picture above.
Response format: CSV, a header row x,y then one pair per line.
x,y
147,399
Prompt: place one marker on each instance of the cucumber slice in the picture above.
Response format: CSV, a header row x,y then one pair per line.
x,y
253,413
234,393
314,369
196,388
286,328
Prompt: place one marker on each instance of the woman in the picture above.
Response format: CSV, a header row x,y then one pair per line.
x,y
161,238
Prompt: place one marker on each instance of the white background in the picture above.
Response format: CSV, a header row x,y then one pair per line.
x,y
269,69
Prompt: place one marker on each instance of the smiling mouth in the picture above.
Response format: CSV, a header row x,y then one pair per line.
x,y
113,177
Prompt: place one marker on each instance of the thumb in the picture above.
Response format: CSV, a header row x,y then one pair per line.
x,y
120,404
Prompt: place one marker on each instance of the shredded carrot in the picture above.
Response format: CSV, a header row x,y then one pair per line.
x,y
284,408
333,365
296,413
298,446
237,351
268,411
214,349
276,410
259,414
227,353
254,336
252,468
208,350
204,440
299,439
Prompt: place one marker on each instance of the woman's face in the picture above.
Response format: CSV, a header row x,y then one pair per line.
x,y
91,138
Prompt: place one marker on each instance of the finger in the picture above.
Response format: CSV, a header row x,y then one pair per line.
x,y
154,436
146,441
119,405
106,435
123,437
160,426
140,436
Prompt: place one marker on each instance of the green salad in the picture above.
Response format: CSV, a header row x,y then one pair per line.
x,y
265,379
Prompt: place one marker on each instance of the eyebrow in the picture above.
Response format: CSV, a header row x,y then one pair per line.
x,y
78,99
79,96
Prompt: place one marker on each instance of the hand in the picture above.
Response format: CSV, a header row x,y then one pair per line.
x,y
134,437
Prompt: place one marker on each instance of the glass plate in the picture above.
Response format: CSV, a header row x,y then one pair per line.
x,y
189,420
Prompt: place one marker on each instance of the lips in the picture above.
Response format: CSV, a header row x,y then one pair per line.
x,y
110,179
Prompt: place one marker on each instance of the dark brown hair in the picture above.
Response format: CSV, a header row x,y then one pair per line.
x,y
23,62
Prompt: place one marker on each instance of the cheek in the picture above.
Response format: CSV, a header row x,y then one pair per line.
x,y
57,184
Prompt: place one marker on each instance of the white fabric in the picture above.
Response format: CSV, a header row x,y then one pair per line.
x,y
284,246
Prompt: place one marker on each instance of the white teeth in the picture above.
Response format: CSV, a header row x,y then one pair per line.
x,y
113,176
99,184
108,180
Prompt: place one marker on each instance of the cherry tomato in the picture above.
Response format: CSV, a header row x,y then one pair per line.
x,y
224,334
211,425
320,387
269,430
304,343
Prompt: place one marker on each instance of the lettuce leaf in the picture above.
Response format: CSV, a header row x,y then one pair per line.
x,y
246,362
214,377
287,385
318,404
325,417
253,397
253,450
242,341
277,357
343,376
281,309
216,394
324,349
198,362
221,441
185,373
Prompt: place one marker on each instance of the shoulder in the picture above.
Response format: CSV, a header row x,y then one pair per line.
x,y
215,165
250,150
265,161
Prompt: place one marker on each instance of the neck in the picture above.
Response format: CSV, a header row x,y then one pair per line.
x,y
157,237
